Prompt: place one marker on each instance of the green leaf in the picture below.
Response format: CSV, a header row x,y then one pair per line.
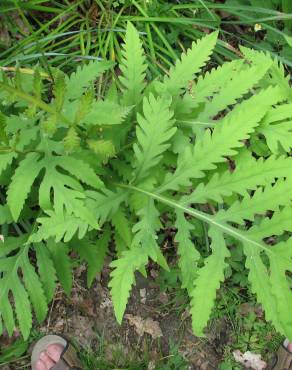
x,y
153,133
81,170
59,90
261,286
5,215
67,194
270,198
246,176
60,226
59,253
6,160
84,76
145,233
19,285
106,113
214,81
280,263
228,135
234,89
133,67
22,306
71,140
93,253
188,255
46,270
189,64
209,276
122,226
105,203
21,183
123,277
276,316
276,225
34,288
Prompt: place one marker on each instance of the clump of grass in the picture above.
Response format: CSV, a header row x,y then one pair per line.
x,y
60,32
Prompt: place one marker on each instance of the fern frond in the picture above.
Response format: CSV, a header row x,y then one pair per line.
x,y
189,64
226,137
267,199
210,275
123,277
84,76
153,133
133,67
188,254
21,183
246,176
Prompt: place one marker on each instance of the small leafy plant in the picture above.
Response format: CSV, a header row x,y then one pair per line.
x,y
97,169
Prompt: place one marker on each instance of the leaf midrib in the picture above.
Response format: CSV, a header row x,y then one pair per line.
x,y
203,217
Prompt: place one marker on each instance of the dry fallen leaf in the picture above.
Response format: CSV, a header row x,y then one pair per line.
x,y
142,326
250,360
143,295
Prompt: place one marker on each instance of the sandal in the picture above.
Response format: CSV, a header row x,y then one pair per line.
x,y
68,359
283,358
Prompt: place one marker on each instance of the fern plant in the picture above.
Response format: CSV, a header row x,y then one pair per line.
x,y
100,174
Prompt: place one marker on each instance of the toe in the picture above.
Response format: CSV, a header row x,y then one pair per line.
x,y
40,365
54,351
47,360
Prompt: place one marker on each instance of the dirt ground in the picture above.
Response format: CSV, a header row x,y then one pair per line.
x,y
152,324
155,322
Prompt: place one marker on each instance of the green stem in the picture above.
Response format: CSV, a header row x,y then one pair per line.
x,y
32,100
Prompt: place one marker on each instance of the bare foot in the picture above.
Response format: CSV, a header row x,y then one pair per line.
x,y
50,357
289,347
